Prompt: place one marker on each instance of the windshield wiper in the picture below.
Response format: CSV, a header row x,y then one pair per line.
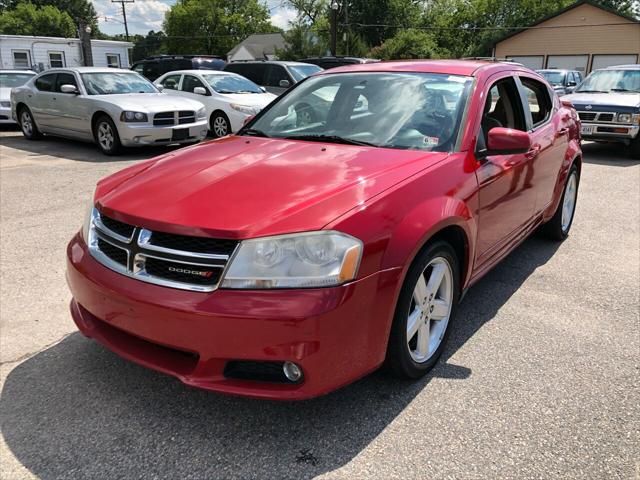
x,y
254,132
331,139
591,91
624,90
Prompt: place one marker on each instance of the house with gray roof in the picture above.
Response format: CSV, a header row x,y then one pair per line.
x,y
260,46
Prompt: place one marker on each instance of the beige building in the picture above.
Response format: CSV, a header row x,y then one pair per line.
x,y
583,37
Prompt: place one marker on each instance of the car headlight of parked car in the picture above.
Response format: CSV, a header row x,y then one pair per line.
x,y
128,116
201,114
246,109
624,117
302,260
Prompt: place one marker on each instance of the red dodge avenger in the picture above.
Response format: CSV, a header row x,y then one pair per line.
x,y
336,232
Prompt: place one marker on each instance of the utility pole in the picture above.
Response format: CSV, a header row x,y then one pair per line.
x,y
347,33
334,26
124,15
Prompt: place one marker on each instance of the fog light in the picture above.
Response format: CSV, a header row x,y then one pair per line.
x,y
292,371
136,139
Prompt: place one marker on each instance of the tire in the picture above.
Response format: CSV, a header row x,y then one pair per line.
x,y
560,224
219,125
28,124
407,356
106,136
634,148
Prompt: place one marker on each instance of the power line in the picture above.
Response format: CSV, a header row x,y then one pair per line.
x,y
124,15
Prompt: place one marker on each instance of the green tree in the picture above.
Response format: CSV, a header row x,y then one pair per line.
x,y
153,43
27,19
213,26
409,44
301,41
78,10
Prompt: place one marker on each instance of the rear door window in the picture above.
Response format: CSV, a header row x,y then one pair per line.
x,y
46,82
253,71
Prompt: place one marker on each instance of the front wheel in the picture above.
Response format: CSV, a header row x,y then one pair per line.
x,y
424,312
220,126
558,227
106,136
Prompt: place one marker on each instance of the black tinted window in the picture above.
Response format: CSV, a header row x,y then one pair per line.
x,y
46,82
65,79
275,75
151,70
253,71
208,63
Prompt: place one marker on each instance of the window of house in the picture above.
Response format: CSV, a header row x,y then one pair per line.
x,y
113,60
45,83
56,59
21,59
539,100
171,82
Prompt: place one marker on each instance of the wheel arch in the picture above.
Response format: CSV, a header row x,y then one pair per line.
x,y
94,119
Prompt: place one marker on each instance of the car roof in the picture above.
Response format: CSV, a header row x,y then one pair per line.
x,y
3,70
631,66
452,67
556,70
277,62
198,72
88,70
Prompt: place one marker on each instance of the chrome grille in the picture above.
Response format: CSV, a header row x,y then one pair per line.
x,y
597,116
176,261
186,117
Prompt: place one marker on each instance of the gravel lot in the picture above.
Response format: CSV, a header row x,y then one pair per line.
x,y
540,379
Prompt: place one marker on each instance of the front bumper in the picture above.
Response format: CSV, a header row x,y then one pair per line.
x,y
609,131
132,134
335,335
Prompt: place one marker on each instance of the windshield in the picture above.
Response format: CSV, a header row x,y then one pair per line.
x,y
231,84
611,81
11,80
419,111
300,72
554,78
115,83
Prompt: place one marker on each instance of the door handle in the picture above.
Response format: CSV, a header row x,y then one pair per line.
x,y
533,152
563,131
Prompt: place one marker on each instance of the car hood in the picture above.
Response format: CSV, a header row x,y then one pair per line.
x,y
251,99
604,99
241,187
149,102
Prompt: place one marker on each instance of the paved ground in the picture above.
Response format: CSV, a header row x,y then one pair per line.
x,y
540,379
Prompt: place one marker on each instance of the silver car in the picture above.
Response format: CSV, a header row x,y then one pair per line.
x,y
108,106
10,79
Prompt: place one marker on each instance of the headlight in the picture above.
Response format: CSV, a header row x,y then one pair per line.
x,y
636,119
244,108
302,260
128,116
201,114
624,117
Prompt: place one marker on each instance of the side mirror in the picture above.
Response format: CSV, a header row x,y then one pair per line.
x,y
200,91
159,87
66,88
571,84
264,90
507,141
284,84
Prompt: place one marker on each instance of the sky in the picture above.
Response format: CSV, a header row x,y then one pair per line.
x,y
145,15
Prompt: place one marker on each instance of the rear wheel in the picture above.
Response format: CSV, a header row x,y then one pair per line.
x,y
424,313
558,227
220,126
28,124
106,136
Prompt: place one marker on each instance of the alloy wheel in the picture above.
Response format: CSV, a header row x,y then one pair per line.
x,y
27,123
569,202
105,136
430,309
220,127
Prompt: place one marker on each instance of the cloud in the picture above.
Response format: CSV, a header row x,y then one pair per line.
x,y
282,16
142,15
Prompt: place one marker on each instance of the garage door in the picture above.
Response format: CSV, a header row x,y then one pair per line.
x,y
534,62
569,62
601,61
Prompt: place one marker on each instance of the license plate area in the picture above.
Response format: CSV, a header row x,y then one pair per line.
x,y
180,134
587,129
